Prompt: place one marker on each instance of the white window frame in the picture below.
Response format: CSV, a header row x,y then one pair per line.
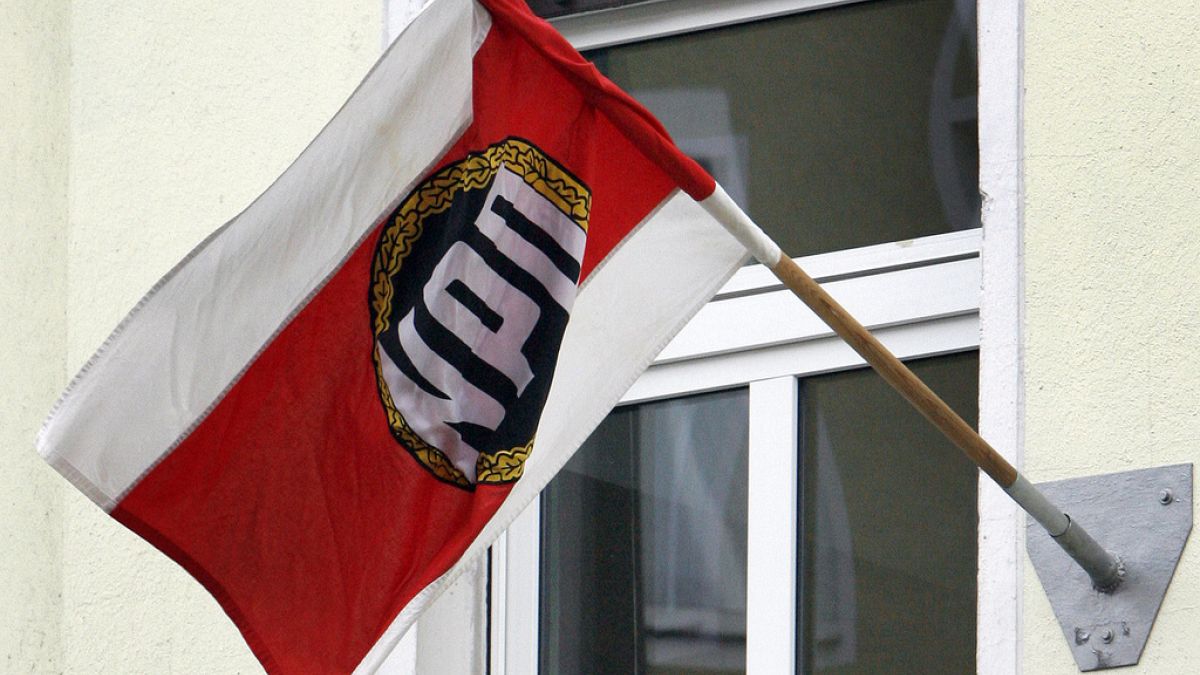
x,y
664,18
997,321
1001,328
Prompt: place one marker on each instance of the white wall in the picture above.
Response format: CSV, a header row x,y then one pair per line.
x,y
1112,263
181,113
129,132
33,183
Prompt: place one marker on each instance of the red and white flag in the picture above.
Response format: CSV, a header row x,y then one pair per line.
x,y
322,412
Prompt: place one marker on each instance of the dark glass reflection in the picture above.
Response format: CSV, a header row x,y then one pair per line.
x,y
644,544
553,8
888,527
838,128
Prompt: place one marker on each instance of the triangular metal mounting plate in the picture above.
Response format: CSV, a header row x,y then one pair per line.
x,y
1144,518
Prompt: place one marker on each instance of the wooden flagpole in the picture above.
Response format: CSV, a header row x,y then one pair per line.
x,y
902,379
1105,569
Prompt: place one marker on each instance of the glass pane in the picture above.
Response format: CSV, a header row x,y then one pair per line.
x,y
833,129
643,565
888,538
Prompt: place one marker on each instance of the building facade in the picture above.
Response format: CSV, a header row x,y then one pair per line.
x,y
1001,190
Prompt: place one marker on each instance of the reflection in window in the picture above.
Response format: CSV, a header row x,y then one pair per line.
x,y
644,543
888,527
834,129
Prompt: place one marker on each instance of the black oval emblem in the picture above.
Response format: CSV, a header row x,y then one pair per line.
x,y
473,280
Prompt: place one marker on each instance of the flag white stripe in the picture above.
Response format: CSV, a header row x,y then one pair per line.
x,y
626,312
163,369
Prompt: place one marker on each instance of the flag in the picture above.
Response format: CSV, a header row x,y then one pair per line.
x,y
343,395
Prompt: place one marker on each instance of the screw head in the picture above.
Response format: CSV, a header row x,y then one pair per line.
x,y
1166,497
1106,636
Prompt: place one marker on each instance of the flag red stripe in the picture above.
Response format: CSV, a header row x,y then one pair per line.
x,y
518,91
307,521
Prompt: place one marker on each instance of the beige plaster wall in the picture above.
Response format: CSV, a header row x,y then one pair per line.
x,y
1112,269
181,113
33,189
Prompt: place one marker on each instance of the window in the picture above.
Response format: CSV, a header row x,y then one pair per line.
x,y
644,564
862,116
887,527
834,129
643,542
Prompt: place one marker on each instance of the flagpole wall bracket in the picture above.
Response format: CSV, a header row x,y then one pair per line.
x,y
1143,517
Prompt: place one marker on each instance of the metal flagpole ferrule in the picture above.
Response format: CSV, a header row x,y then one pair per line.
x,y
1103,567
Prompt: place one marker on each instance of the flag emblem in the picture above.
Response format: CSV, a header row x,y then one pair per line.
x,y
473,279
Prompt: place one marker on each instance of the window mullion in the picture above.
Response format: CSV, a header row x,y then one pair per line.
x,y
771,557
514,595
